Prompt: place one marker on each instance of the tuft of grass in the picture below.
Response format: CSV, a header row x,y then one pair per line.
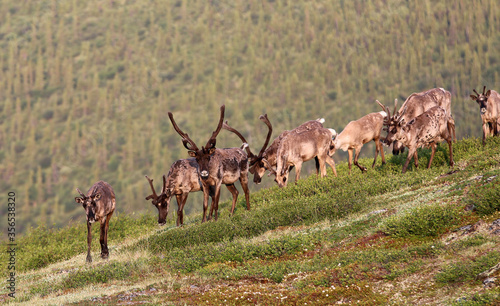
x,y
485,196
467,271
423,221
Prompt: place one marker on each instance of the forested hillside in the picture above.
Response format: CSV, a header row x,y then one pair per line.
x,y
85,86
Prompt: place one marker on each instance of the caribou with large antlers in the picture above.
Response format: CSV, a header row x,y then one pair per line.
x,y
416,104
182,178
217,167
99,204
357,133
489,108
426,130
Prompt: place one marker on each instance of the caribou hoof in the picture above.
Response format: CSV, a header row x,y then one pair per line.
x,y
104,255
89,259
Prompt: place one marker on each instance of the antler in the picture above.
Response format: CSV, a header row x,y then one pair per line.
x,y
185,137
268,137
476,92
211,142
484,90
164,184
154,195
387,120
81,193
247,148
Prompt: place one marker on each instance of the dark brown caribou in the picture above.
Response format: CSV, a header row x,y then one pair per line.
x,y
299,146
99,204
426,130
182,178
357,133
266,159
489,108
217,167
418,103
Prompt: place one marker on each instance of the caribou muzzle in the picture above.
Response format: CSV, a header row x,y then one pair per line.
x,y
204,174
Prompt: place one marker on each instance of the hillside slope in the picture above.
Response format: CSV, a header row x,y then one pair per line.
x,y
85,85
422,238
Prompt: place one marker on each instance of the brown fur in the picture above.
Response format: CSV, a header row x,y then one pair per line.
x,y
217,167
418,103
357,133
300,146
182,178
99,204
426,130
268,159
489,107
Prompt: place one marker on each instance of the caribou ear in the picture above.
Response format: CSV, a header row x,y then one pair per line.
x,y
97,197
78,200
488,93
211,151
474,98
192,153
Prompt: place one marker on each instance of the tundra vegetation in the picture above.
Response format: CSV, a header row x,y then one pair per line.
x,y
85,85
380,237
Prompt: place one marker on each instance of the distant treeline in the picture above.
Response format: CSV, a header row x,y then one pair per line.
x,y
85,86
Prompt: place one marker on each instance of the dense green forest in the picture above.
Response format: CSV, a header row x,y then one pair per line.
x,y
85,86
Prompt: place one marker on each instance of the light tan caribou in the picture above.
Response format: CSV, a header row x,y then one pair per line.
x,y
299,146
357,133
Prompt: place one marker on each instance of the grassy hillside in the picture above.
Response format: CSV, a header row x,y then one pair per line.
x,y
377,238
85,85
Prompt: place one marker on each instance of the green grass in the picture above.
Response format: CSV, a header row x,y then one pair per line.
x,y
358,237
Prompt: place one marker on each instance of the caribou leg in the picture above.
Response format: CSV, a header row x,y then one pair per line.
x,y
206,190
104,236
433,151
329,160
235,193
244,185
181,201
378,148
356,156
89,241
298,167
411,153
350,159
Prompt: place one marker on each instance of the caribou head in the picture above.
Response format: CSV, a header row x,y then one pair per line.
x,y
482,99
89,204
392,123
161,202
257,163
204,154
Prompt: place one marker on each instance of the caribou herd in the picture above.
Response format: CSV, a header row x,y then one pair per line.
x,y
423,120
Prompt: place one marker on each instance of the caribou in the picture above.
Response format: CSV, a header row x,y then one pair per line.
x,y
217,167
267,158
299,146
182,178
357,133
489,108
426,130
416,104
99,205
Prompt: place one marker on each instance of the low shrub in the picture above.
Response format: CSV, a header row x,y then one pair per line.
x,y
423,221
486,196
467,271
